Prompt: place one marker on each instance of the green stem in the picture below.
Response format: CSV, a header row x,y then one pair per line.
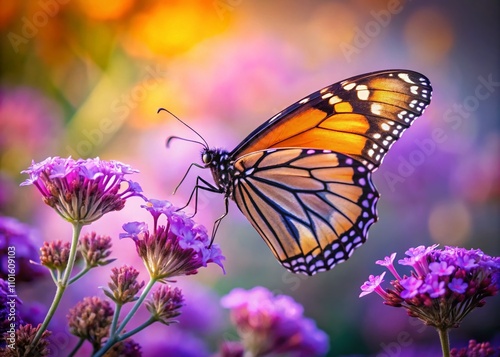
x,y
77,347
445,341
137,329
114,338
116,315
61,285
79,275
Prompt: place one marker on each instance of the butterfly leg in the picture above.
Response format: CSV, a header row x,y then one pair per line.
x,y
208,187
185,175
219,220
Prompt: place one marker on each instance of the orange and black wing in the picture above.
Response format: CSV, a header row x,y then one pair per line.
x,y
361,117
312,207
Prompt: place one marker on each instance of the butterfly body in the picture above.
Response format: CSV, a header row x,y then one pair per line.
x,y
303,178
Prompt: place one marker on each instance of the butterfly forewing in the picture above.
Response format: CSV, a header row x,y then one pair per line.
x,y
361,117
312,207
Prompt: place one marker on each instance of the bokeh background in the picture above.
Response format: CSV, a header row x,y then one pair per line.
x,y
86,77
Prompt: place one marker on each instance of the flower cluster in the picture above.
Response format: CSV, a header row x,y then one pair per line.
x,y
179,248
124,285
55,255
95,249
444,286
269,324
23,343
165,304
90,320
82,191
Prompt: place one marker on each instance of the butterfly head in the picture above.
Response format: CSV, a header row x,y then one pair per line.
x,y
219,162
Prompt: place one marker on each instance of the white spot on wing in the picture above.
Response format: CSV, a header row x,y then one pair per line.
x,y
334,100
376,108
405,77
362,92
349,86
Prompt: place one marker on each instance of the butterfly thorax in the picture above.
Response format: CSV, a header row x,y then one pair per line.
x,y
220,163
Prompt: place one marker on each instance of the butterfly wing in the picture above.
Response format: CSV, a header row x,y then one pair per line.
x,y
361,117
311,207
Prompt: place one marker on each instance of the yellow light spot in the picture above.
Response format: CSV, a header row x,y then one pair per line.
x,y
429,34
450,223
327,95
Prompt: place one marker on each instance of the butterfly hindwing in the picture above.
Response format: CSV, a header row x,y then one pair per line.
x,y
312,207
361,117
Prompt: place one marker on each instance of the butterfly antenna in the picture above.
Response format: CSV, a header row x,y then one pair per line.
x,y
204,143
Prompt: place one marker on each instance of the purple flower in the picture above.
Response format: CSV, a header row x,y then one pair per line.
x,y
269,324
82,190
18,241
134,230
458,286
411,286
444,286
441,268
373,284
433,286
389,263
179,248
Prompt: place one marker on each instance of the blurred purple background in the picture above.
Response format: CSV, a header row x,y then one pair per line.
x,y
86,77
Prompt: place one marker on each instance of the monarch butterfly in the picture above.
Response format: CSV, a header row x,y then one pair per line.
x,y
303,178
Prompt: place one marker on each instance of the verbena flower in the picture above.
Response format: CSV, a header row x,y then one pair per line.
x,y
18,240
55,255
269,324
82,191
124,285
23,345
165,304
180,247
90,319
95,249
444,285
475,349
